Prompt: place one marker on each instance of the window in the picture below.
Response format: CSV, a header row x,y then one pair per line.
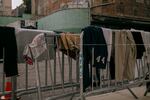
x,y
120,7
53,1
140,1
148,15
147,2
0,2
135,12
105,1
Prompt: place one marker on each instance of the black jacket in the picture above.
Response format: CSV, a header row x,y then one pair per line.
x,y
8,42
139,44
93,38
94,45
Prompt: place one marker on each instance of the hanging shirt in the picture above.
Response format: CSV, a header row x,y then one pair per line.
x,y
108,37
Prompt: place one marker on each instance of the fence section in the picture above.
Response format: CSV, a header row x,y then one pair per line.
x,y
60,72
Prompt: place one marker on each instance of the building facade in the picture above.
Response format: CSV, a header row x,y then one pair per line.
x,y
5,7
46,7
129,8
126,8
18,11
67,20
106,13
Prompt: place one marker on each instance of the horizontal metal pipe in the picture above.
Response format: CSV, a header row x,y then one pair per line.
x,y
21,92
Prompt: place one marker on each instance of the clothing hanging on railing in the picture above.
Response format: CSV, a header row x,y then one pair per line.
x,y
146,40
112,58
9,45
35,48
125,55
69,44
25,36
94,44
108,37
139,44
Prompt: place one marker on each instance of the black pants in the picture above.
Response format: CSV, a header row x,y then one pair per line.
x,y
8,50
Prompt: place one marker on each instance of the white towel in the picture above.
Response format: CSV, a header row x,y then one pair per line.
x,y
35,48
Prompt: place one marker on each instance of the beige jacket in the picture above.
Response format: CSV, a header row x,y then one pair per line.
x,y
69,43
125,55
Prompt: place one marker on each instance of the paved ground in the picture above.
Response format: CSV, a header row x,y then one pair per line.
x,y
21,81
122,95
119,95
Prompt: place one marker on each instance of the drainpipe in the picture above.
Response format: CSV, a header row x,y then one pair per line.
x,y
89,13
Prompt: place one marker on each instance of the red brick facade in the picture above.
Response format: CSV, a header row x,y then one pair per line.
x,y
129,8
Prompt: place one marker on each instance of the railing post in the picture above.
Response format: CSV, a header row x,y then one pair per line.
x,y
14,87
81,67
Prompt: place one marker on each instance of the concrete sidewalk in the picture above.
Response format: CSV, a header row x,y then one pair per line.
x,y
122,95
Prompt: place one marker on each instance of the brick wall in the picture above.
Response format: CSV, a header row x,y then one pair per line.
x,y
5,8
46,7
131,8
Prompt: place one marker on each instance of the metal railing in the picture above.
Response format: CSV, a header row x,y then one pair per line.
x,y
58,75
12,79
105,83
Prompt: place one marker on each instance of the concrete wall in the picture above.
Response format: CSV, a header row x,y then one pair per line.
x,y
72,20
7,20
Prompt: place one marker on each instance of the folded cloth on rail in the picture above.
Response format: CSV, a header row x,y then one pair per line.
x,y
68,43
35,48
